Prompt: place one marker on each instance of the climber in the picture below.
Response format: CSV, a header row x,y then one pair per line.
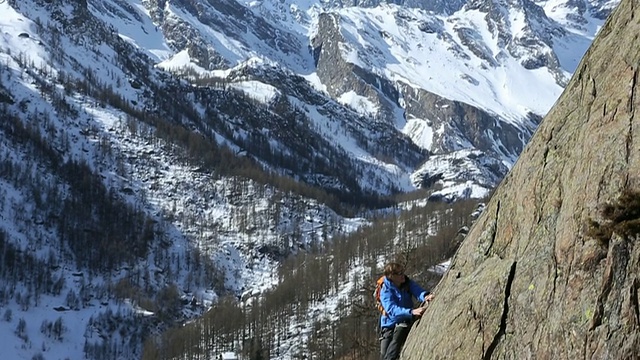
x,y
398,314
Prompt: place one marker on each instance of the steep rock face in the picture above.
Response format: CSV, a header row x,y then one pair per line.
x,y
342,76
464,124
533,279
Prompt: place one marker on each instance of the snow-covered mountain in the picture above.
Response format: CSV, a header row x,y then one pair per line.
x,y
471,76
200,142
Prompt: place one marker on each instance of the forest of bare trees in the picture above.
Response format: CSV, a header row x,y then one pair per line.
x,y
306,281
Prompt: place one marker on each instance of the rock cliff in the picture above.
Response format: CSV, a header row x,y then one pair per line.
x,y
552,268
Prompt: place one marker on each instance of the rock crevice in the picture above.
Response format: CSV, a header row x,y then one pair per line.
x,y
505,312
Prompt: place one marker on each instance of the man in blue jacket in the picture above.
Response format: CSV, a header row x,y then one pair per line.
x,y
396,297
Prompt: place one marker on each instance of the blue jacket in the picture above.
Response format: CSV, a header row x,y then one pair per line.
x,y
398,303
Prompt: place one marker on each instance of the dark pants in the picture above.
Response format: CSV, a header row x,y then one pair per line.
x,y
392,340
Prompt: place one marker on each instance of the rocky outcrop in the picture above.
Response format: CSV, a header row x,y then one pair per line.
x,y
5,96
226,17
463,166
342,76
551,270
464,124
529,40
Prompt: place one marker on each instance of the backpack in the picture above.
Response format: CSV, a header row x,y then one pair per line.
x,y
376,295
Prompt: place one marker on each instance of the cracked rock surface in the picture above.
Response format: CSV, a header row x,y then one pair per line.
x,y
533,280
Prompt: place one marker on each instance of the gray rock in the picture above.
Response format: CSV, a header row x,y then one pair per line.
x,y
533,280
466,124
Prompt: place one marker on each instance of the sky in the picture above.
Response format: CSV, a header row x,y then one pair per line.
x,y
404,54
